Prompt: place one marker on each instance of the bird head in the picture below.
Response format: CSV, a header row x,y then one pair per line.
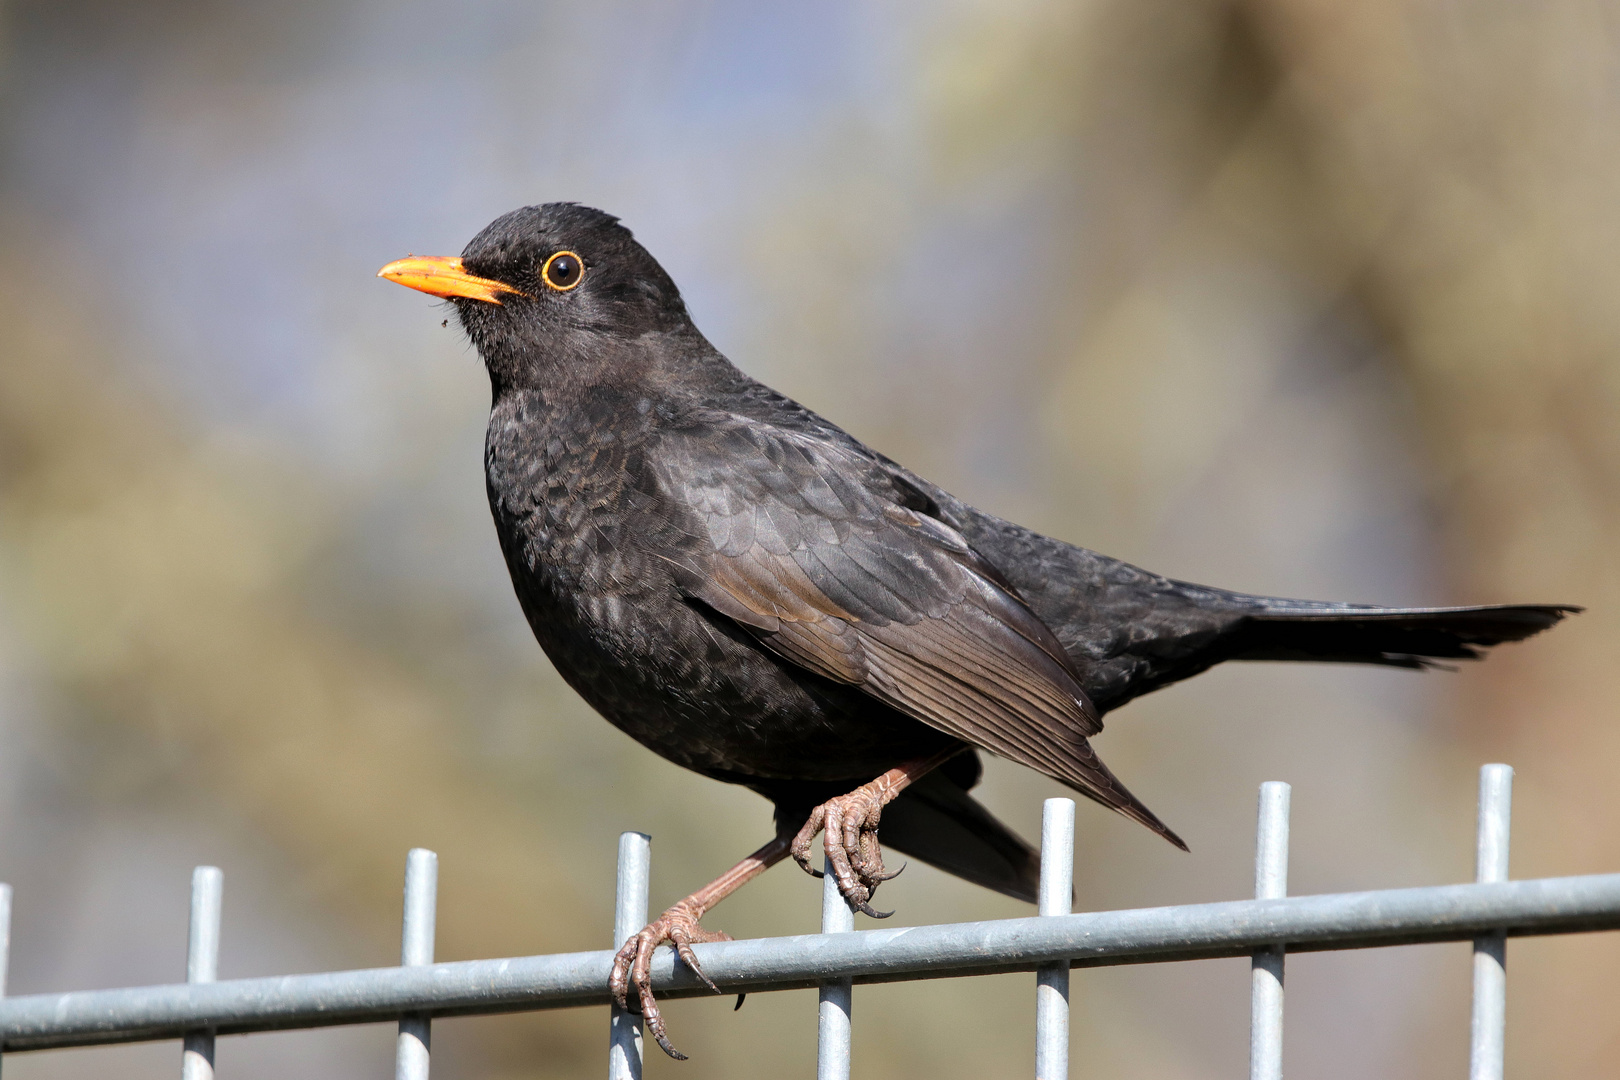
x,y
551,292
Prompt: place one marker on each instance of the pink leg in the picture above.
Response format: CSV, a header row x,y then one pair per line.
x,y
679,927
851,822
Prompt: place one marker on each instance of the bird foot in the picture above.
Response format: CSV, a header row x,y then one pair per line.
x,y
633,964
851,843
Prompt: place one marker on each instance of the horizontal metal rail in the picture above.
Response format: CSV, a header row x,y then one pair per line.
x,y
1147,935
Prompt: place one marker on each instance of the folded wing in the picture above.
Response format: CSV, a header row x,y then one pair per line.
x,y
812,548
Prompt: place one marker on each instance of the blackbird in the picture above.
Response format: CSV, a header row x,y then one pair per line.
x,y
748,590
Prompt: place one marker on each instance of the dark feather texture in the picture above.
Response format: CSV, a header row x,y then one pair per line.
x,y
754,594
806,543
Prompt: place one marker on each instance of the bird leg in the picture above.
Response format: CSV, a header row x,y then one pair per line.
x,y
851,823
679,927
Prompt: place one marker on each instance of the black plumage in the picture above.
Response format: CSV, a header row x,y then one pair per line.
x,y
745,588
753,593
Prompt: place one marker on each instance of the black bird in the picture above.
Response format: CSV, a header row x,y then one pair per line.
x,y
751,592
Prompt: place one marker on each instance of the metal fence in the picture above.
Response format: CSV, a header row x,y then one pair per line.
x,y
1051,943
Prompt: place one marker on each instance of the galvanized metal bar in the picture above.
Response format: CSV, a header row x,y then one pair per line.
x,y
1489,1027
1266,967
1056,897
1146,935
629,915
833,1007
417,929
5,942
202,965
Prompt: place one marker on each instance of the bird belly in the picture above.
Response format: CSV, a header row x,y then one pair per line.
x,y
676,677
702,693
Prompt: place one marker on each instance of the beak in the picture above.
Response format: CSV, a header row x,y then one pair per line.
x,y
442,275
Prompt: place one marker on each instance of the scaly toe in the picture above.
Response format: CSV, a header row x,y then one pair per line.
x,y
649,1004
868,861
655,1024
800,848
619,979
683,947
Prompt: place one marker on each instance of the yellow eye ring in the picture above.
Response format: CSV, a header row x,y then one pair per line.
x,y
563,271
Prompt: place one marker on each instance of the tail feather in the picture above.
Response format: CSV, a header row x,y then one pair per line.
x,y
1397,637
936,821
1129,631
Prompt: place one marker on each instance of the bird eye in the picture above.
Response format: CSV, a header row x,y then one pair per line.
x,y
563,271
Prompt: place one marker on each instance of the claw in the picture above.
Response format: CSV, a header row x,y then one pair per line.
x,y
689,958
664,1044
849,826
800,850
632,964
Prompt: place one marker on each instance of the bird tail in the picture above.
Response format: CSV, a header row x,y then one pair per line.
x,y
938,822
1396,637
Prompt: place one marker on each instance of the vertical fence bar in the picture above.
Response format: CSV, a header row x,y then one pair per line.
x,y
1052,981
418,926
1266,967
832,1011
5,940
202,964
629,916
1489,1026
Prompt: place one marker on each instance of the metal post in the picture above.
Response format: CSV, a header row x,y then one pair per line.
x,y
832,1019
1266,968
1052,981
202,964
5,940
1490,950
629,916
416,935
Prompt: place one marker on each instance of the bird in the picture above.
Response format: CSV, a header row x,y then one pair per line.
x,y
756,595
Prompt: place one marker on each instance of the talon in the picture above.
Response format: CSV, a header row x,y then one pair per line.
x,y
655,1024
683,949
800,849
632,965
848,825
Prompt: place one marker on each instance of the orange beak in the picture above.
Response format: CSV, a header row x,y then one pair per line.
x,y
442,275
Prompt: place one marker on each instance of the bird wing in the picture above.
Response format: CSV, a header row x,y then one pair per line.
x,y
1128,631
810,546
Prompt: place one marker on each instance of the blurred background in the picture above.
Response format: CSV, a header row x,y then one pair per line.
x,y
1292,296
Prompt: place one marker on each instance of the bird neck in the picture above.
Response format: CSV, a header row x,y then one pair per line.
x,y
579,366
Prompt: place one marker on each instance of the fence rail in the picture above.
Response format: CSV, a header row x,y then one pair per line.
x,y
1488,912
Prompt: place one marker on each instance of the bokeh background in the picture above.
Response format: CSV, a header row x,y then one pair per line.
x,y
1295,296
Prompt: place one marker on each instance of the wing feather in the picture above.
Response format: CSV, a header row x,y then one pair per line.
x,y
807,544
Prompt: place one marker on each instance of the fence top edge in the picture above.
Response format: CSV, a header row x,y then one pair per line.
x,y
1185,931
